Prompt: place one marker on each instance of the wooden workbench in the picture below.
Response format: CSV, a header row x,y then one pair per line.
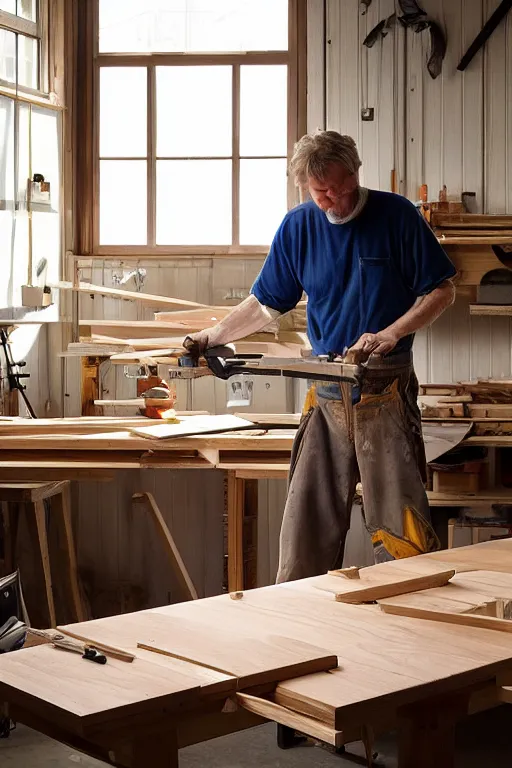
x,y
418,676
96,447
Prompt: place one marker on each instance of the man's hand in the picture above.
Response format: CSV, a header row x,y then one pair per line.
x,y
381,343
197,343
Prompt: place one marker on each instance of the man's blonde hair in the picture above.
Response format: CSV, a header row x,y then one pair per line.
x,y
315,152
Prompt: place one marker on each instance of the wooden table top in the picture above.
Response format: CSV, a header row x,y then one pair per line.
x,y
385,661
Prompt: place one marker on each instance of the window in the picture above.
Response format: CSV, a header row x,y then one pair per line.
x,y
20,45
194,124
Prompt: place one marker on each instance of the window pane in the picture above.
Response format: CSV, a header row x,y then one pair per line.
x,y
123,202
123,132
194,111
6,154
193,202
262,190
28,62
263,110
28,9
7,56
193,25
9,6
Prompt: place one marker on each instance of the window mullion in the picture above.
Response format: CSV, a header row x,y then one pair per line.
x,y
151,160
236,157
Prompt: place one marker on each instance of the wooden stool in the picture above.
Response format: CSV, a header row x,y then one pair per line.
x,y
33,496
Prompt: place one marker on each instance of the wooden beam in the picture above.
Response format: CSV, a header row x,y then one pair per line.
x,y
171,548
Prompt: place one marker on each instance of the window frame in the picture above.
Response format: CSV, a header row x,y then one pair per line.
x,y
36,30
294,58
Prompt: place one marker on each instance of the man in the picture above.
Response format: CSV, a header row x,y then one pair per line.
x,y
374,274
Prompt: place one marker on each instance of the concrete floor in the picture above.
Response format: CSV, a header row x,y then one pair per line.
x,y
485,741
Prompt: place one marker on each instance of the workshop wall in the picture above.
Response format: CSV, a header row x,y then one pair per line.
x,y
455,130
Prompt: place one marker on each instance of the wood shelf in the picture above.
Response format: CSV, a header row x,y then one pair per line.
x,y
485,497
496,310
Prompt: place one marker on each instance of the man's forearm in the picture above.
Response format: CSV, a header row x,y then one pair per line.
x,y
424,311
247,317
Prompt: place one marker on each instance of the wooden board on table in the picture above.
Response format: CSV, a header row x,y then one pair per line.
x,y
70,692
193,425
156,349
364,592
385,661
484,591
259,658
273,419
81,425
140,297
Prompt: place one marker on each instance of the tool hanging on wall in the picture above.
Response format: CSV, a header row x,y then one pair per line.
x,y
414,18
14,374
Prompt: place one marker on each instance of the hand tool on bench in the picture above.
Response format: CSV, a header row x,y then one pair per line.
x,y
224,362
89,652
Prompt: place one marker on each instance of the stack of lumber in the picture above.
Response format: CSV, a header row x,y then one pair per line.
x,y
472,228
485,403
164,335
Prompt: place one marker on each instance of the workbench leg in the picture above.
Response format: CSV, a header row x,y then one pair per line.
x,y
426,733
61,510
40,534
155,751
235,505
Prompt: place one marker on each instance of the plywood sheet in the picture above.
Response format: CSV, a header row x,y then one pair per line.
x,y
194,425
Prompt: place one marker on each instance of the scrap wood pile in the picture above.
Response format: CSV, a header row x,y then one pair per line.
x,y
487,403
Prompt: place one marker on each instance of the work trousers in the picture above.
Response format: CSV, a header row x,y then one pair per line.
x,y
378,441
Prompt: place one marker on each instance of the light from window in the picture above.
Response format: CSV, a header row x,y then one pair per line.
x,y
263,110
28,62
166,26
123,194
193,202
28,59
123,133
194,111
262,199
27,9
8,57
9,6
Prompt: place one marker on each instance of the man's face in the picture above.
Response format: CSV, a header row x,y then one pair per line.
x,y
331,192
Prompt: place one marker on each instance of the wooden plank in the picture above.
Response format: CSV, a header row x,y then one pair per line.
x,y
140,297
362,593
89,694
193,425
235,512
172,550
464,619
271,711
252,661
470,220
497,310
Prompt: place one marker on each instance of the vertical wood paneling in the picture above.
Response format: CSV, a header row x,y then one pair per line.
x,y
452,104
496,116
315,64
473,106
385,102
415,121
